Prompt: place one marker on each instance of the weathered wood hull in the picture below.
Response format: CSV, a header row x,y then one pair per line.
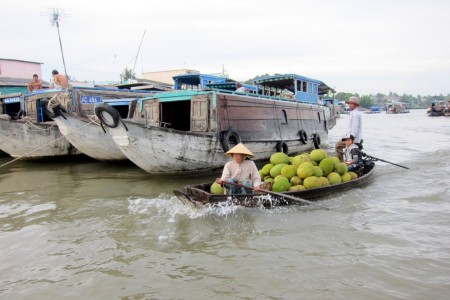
x,y
199,137
88,137
199,194
28,140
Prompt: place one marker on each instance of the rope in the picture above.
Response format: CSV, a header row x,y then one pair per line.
x,y
62,136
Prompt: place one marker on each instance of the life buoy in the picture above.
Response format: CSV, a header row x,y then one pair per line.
x,y
108,115
282,147
316,140
303,136
229,138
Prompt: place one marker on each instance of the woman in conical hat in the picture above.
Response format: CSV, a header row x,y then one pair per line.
x,y
241,171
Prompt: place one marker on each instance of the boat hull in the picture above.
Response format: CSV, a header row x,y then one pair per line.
x,y
199,194
88,137
160,150
28,140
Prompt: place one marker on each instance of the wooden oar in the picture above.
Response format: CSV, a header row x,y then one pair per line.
x,y
375,158
295,199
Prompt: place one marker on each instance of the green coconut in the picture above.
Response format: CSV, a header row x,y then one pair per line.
x,y
281,185
276,170
296,180
298,160
317,171
216,189
261,174
334,178
306,156
297,188
346,177
327,165
306,169
266,169
340,168
279,158
270,179
318,154
289,171
278,177
353,174
312,182
324,181
335,159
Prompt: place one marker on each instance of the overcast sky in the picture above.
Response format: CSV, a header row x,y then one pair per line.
x,y
357,46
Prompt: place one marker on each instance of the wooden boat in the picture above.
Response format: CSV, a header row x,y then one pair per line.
x,y
80,127
188,131
397,108
26,132
437,109
198,195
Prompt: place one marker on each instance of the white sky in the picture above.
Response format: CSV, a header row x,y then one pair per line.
x,y
360,46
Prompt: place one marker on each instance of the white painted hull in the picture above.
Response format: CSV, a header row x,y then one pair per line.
x,y
22,139
89,138
159,150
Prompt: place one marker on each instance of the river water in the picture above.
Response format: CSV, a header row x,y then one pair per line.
x,y
91,230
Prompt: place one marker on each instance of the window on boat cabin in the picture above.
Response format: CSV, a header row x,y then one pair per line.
x,y
176,114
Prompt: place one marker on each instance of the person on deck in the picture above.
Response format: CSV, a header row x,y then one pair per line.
x,y
354,127
58,80
35,84
240,171
352,154
240,88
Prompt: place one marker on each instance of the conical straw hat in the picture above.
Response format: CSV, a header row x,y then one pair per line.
x,y
239,149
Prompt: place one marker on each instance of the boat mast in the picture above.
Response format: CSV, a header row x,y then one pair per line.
x,y
55,17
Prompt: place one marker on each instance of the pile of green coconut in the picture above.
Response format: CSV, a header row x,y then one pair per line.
x,y
304,171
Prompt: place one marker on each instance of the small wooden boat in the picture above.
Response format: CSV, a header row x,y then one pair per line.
x,y
198,195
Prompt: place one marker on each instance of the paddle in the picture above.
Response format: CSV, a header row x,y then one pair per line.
x,y
295,199
375,158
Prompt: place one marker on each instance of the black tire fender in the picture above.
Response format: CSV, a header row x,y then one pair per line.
x,y
303,136
107,115
229,138
282,147
316,140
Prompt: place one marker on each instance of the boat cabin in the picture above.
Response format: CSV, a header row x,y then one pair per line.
x,y
10,104
196,81
294,87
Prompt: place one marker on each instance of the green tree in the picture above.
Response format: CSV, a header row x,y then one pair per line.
x,y
365,101
344,96
127,74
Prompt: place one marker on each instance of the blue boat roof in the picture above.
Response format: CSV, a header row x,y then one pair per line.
x,y
278,77
197,78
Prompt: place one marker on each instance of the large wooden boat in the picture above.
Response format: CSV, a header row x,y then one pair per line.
x,y
80,127
27,132
188,131
198,195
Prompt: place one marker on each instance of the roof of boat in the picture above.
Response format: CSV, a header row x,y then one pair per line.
x,y
267,80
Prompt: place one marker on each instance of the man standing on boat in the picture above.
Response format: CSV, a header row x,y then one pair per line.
x,y
240,171
58,80
354,127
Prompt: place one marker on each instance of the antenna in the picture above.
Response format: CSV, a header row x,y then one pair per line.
x,y
139,50
55,16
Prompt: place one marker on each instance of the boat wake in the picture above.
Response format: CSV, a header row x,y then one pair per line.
x,y
170,206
